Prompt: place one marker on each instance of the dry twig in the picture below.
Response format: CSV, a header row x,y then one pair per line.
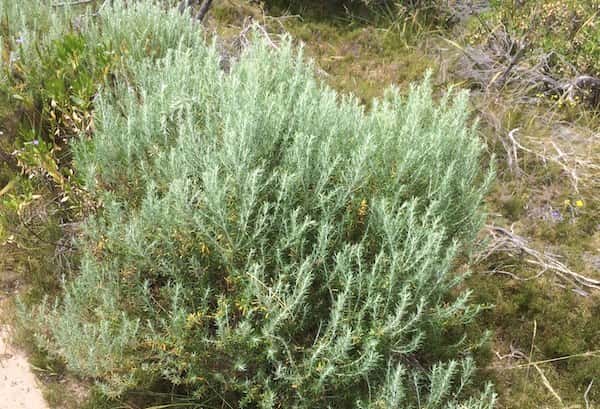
x,y
508,243
73,3
547,384
585,395
577,167
503,61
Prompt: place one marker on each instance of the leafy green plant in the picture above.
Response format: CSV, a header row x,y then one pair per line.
x,y
265,242
49,77
26,222
54,95
53,64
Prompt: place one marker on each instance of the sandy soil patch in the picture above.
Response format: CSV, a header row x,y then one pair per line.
x,y
18,385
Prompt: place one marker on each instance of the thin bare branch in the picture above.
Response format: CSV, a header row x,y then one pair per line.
x,y
73,3
547,384
587,354
203,10
508,243
585,395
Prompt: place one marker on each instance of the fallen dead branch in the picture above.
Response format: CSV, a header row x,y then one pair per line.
x,y
577,167
203,11
589,354
585,395
231,48
514,354
503,61
243,39
507,243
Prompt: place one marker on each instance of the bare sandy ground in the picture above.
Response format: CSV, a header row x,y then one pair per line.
x,y
18,385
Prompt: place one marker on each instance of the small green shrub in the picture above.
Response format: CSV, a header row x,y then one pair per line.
x,y
265,241
53,62
29,225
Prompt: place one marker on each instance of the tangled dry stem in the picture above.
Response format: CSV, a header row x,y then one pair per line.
x,y
506,62
506,242
577,167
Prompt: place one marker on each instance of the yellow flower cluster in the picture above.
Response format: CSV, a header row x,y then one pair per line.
x,y
364,207
577,203
194,319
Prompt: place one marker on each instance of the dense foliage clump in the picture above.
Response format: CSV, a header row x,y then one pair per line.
x,y
259,239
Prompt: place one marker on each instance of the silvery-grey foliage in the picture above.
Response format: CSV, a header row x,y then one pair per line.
x,y
263,239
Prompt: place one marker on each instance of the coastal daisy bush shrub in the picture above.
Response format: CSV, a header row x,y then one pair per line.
x,y
264,242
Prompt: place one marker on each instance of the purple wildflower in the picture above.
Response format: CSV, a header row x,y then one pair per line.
x,y
36,142
556,215
20,40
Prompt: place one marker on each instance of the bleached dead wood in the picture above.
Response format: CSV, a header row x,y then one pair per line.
x,y
506,242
